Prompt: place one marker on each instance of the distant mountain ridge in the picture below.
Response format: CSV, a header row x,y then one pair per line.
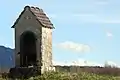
x,y
6,58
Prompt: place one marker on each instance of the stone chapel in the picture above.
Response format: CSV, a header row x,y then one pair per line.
x,y
33,38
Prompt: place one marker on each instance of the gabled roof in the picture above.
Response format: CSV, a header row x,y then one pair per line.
x,y
40,16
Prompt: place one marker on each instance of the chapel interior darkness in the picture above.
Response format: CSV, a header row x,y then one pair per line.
x,y
28,49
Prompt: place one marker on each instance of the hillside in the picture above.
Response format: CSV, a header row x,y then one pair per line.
x,y
6,58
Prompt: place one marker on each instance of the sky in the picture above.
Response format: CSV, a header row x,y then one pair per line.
x,y
85,30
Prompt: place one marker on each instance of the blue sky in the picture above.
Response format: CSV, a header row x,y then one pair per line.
x,y
85,29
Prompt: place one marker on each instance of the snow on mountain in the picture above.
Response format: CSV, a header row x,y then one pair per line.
x,y
82,62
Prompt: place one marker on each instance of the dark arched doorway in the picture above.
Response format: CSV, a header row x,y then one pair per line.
x,y
28,52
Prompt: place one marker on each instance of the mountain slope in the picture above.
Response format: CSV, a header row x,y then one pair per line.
x,y
6,58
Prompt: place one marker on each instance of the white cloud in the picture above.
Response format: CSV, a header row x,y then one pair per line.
x,y
111,21
94,18
101,2
58,63
72,46
83,62
52,15
109,34
83,15
112,64
79,62
106,21
86,17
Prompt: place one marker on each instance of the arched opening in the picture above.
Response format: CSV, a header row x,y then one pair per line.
x,y
28,52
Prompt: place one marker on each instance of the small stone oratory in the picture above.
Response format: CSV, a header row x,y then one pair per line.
x,y
33,38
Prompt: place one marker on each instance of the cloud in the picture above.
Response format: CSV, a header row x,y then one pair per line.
x,y
94,18
83,15
108,21
101,2
72,46
111,21
111,63
109,34
83,62
67,15
52,16
79,62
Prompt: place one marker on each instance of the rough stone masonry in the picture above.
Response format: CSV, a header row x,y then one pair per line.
x,y
46,48
35,20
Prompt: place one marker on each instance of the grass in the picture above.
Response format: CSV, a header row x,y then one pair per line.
x,y
70,76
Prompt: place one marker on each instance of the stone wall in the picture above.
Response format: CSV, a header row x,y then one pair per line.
x,y
22,26
46,48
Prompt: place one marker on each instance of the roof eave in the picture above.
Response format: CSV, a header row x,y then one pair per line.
x,y
19,17
49,27
40,22
34,15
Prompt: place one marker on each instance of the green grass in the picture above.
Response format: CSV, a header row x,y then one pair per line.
x,y
71,76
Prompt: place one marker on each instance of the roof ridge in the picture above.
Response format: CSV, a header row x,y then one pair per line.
x,y
40,15
26,7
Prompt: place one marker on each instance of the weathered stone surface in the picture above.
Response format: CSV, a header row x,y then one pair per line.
x,y
43,42
46,47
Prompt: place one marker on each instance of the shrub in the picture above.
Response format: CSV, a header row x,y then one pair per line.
x,y
73,76
70,76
